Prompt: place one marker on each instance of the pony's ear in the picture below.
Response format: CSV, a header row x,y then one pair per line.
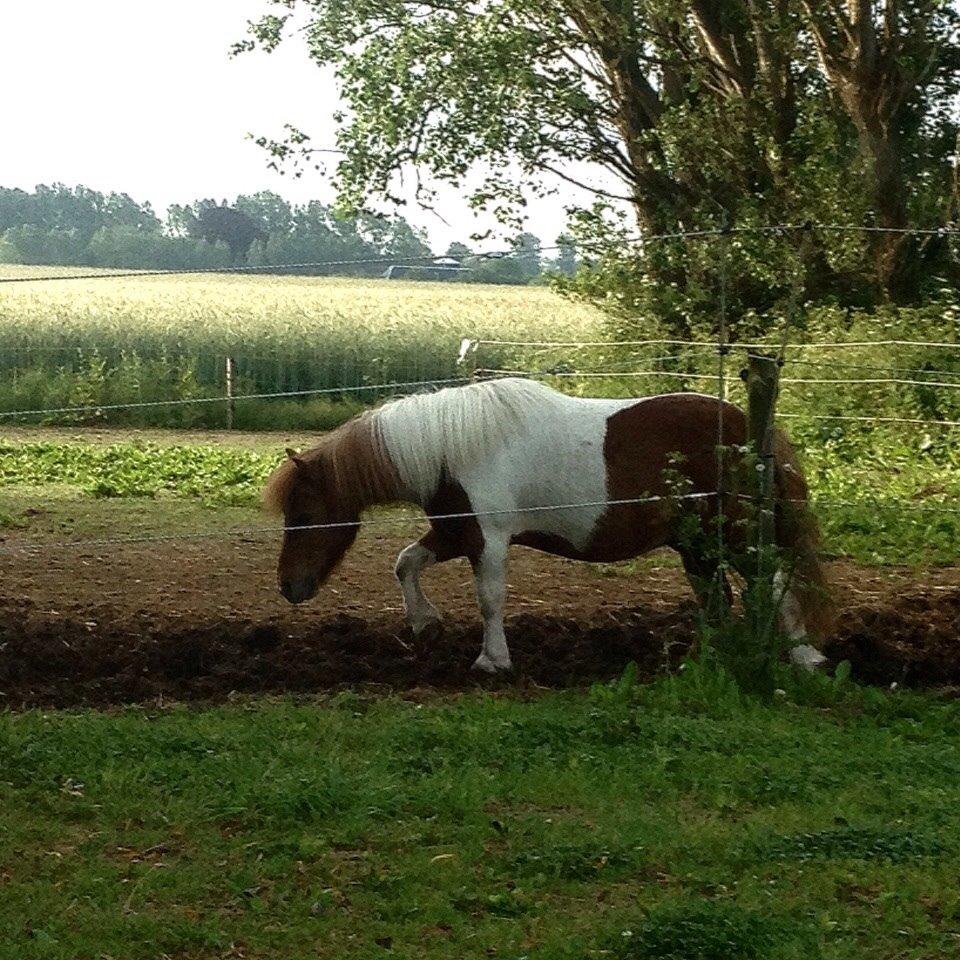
x,y
295,457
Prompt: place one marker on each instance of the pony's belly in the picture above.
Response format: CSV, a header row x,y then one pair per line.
x,y
548,543
614,538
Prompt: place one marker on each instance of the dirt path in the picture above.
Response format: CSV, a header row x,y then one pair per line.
x,y
199,619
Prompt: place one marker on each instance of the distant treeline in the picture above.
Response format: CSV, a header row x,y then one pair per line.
x,y
77,226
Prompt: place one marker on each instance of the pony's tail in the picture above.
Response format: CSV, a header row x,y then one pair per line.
x,y
798,535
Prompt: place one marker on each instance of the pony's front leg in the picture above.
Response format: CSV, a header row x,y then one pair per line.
x,y
421,614
490,573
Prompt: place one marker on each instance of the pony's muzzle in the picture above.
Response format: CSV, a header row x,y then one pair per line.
x,y
299,589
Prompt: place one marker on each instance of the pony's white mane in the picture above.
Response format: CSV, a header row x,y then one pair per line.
x,y
455,429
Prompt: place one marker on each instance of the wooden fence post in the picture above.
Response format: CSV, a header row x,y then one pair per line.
x,y
763,382
230,401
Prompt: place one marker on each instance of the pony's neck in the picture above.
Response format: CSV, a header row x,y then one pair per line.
x,y
363,471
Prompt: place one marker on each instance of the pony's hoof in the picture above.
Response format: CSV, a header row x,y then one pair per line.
x,y
807,657
483,664
427,631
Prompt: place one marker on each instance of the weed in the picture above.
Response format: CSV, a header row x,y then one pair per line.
x,y
698,930
853,843
575,861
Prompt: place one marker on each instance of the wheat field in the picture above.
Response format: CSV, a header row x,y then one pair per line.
x,y
114,340
106,340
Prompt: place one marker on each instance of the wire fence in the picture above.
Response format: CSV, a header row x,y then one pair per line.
x,y
712,344
415,520
473,349
495,373
133,375
190,401
272,268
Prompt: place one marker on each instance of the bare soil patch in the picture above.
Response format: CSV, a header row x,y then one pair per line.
x,y
202,619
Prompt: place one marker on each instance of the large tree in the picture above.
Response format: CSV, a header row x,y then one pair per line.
x,y
696,112
220,223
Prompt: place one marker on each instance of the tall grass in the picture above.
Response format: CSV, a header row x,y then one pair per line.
x,y
809,376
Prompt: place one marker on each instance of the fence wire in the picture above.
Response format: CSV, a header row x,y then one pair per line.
x,y
410,520
805,229
500,372
722,345
712,344
369,522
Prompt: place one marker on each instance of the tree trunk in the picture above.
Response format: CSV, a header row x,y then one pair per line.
x,y
890,250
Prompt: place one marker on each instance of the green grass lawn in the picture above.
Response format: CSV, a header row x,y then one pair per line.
x,y
677,821
672,821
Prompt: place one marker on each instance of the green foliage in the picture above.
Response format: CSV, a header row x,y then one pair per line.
x,y
134,249
83,227
76,210
693,115
212,474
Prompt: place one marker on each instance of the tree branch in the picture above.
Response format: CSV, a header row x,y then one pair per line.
x,y
721,52
599,191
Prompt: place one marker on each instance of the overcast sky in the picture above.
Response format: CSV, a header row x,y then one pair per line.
x,y
144,99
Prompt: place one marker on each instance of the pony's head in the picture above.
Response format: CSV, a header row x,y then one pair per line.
x,y
321,494
304,490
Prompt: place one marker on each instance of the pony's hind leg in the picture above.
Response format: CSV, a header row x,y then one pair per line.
x,y
421,614
705,577
490,573
802,654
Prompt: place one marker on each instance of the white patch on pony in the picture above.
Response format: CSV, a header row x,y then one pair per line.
x,y
803,655
791,613
455,429
491,582
512,444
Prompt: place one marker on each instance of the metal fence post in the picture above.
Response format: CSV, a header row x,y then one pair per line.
x,y
763,381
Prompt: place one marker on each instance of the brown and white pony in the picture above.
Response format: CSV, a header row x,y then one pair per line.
x,y
531,466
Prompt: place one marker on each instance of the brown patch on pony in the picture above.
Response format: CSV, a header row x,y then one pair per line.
x,y
351,464
457,536
643,444
322,494
642,441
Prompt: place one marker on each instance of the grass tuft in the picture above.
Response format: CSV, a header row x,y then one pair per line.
x,y
853,843
699,930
